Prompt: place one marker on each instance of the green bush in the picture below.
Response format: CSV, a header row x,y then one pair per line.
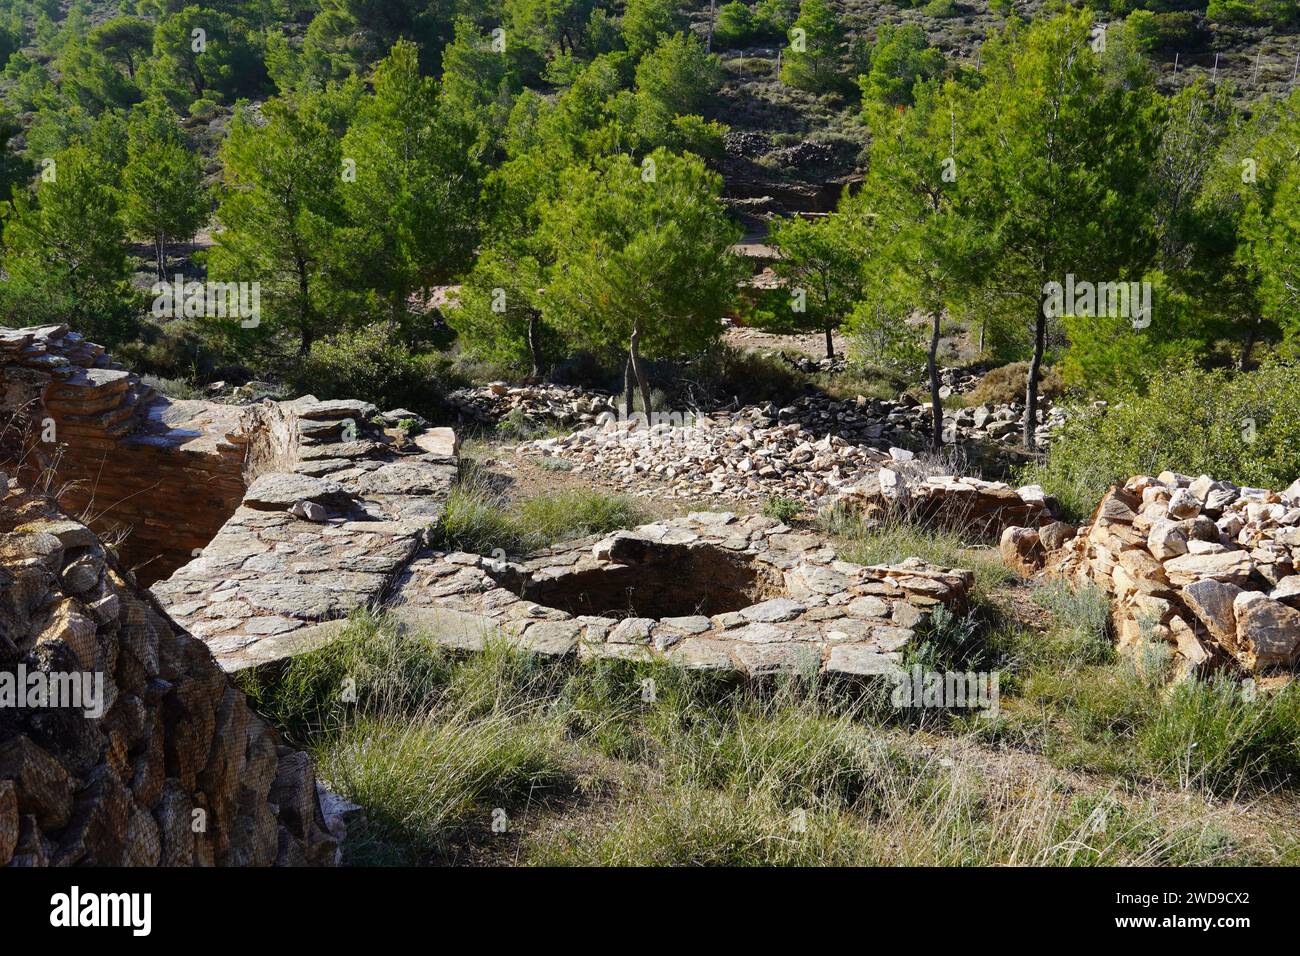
x,y
782,508
1240,427
736,26
941,9
373,364
1164,31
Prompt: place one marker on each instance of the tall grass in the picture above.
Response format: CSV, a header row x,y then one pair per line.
x,y
893,538
630,763
479,519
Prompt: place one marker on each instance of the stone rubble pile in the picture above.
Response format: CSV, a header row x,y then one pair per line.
x,y
709,591
177,770
747,456
811,365
885,422
1205,566
905,488
865,421
539,405
810,449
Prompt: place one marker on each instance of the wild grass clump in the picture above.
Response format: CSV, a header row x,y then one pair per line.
x,y
1006,384
1081,631
372,667
889,539
421,780
1219,735
478,519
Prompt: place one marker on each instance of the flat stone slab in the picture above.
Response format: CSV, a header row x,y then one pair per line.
x,y
279,492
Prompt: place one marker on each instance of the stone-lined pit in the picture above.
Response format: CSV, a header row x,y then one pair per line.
x,y
712,591
658,581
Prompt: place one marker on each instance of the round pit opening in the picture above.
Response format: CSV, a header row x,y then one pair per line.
x,y
646,579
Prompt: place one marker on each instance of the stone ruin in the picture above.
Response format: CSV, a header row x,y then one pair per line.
x,y
905,489
176,770
1203,566
712,591
260,530
330,507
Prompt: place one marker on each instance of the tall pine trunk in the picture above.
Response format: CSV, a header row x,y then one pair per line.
x,y
1031,383
535,342
628,387
932,366
642,381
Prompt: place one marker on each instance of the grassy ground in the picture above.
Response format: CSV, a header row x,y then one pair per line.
x,y
504,759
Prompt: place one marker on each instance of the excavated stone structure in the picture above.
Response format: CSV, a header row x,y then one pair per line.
x,y
709,591
335,512
338,512
175,769
158,477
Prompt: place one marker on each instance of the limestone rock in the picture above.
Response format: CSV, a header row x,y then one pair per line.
x,y
1213,603
1268,631
1022,550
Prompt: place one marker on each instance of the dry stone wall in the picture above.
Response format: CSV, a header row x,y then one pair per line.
x,y
157,477
175,769
1205,566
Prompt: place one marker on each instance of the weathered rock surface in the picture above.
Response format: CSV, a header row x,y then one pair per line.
x,y
177,769
317,538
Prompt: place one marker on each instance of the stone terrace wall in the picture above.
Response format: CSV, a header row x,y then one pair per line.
x,y
159,477
1204,565
175,736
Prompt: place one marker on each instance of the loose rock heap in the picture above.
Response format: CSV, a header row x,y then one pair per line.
x,y
1205,566
748,456
538,405
177,770
711,591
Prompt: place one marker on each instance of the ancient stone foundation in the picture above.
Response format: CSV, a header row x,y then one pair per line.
x,y
709,591
154,476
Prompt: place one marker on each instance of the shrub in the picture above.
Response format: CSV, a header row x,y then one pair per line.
x,y
373,364
941,9
782,508
203,108
1005,385
1164,31
726,374
736,26
1240,427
